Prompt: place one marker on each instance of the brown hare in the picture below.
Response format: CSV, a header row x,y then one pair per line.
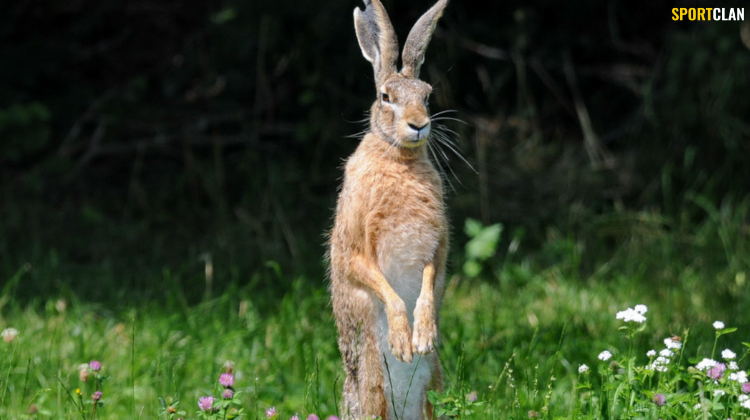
x,y
389,241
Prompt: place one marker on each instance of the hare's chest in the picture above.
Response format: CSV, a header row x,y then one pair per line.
x,y
412,223
410,216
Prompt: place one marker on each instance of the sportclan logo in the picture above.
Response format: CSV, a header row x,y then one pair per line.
x,y
708,13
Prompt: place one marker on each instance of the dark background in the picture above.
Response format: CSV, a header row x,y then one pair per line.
x,y
141,139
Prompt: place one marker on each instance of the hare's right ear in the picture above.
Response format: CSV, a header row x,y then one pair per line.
x,y
377,39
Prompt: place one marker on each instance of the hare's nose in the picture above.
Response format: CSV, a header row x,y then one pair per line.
x,y
418,128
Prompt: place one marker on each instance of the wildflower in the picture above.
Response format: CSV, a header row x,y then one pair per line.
x,y
697,407
641,309
472,396
206,403
739,376
671,343
95,365
651,353
533,414
660,364
313,417
742,398
229,366
605,355
227,394
271,413
583,369
746,387
9,334
728,354
660,399
97,396
78,392
226,380
61,305
719,325
717,371
630,315
83,372
666,353
705,364
295,417
719,393
733,366
332,418
746,404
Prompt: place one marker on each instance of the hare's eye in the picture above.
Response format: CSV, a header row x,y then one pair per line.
x,y
386,98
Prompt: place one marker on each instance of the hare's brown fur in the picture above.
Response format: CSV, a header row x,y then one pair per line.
x,y
389,241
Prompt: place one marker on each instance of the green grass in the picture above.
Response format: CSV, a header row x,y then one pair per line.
x,y
288,358
516,336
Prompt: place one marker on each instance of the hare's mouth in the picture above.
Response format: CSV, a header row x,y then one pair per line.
x,y
413,142
415,135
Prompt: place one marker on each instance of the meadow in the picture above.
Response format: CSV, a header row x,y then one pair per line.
x,y
524,335
165,184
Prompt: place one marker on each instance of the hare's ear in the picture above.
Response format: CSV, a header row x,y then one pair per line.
x,y
377,39
419,37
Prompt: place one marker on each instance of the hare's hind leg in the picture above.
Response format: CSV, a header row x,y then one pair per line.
x,y
363,387
371,384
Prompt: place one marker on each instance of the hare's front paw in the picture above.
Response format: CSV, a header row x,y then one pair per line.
x,y
425,329
399,333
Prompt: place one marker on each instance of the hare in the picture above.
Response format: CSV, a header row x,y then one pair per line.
x,y
389,241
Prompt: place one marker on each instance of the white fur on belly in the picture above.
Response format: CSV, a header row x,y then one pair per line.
x,y
404,383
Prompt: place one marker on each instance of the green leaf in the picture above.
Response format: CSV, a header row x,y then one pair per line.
x,y
472,268
472,227
727,331
483,245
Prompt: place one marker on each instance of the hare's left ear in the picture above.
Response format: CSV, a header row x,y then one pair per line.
x,y
419,37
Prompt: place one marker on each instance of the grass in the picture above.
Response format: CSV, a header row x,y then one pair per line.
x,y
517,335
288,358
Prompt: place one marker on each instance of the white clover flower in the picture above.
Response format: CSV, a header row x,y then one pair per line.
x,y
9,334
742,398
631,315
672,343
739,376
746,404
659,368
728,354
641,309
733,366
697,407
719,393
660,364
605,355
705,364
719,325
666,353
651,353
583,369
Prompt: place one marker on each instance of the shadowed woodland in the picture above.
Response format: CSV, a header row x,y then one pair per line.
x,y
152,147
